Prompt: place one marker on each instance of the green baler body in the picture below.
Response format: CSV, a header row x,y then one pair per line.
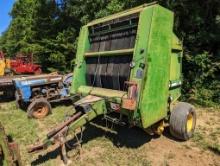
x,y
156,63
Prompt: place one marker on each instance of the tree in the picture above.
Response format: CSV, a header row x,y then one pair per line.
x,y
50,28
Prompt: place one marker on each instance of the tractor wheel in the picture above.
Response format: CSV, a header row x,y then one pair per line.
x,y
39,108
183,121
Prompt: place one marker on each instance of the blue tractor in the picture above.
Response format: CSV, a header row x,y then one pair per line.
x,y
35,93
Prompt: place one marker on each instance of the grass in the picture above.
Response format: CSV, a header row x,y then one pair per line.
x,y
26,131
215,148
208,136
99,147
207,142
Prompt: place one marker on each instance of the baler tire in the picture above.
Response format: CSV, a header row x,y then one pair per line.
x,y
39,109
183,121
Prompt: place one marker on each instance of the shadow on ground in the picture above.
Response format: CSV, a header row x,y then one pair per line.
x,y
125,137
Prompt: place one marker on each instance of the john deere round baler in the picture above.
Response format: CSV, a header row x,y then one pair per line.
x,y
129,64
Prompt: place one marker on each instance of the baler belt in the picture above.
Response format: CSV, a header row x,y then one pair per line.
x,y
132,37
113,41
91,70
108,72
124,71
95,44
114,73
101,69
114,35
104,62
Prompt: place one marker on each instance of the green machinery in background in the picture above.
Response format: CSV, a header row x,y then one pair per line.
x,y
9,151
128,69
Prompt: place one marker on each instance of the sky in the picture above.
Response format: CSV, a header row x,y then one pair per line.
x,y
5,8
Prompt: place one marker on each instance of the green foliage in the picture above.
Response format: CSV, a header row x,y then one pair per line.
x,y
201,83
30,130
50,29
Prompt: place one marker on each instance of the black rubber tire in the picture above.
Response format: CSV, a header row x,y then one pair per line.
x,y
36,105
178,121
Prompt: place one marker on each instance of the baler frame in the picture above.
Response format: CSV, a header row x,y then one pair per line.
x,y
147,67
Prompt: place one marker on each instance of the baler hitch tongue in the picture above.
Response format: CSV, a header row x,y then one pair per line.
x,y
87,109
35,148
63,125
55,134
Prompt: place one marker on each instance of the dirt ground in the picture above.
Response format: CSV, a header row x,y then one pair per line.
x,y
131,146
134,147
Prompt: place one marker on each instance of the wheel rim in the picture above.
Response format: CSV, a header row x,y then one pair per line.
x,y
40,111
189,124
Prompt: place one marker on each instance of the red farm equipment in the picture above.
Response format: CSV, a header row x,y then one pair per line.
x,y
23,64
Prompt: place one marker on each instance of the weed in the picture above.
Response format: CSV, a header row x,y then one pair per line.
x,y
26,131
215,148
171,155
99,148
207,143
